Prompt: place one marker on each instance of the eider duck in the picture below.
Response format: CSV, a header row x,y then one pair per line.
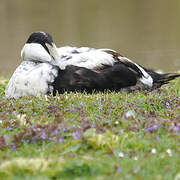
x,y
46,69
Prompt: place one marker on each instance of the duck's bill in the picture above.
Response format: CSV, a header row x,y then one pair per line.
x,y
53,51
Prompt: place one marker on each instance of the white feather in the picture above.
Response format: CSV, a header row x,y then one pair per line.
x,y
35,51
146,78
85,57
31,79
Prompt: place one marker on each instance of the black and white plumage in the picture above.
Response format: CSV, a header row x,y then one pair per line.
x,y
47,69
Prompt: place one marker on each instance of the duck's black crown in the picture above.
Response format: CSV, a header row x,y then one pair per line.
x,y
41,38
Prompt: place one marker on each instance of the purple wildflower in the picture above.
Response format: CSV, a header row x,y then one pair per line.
x,y
25,140
64,129
153,103
56,131
81,104
9,128
155,127
176,129
167,105
60,140
13,147
119,169
136,126
43,136
149,119
157,137
92,125
149,129
76,135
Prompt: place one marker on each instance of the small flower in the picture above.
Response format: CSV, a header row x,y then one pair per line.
x,y
116,122
135,158
35,113
43,136
56,131
149,129
13,147
130,114
121,154
92,125
9,128
76,135
1,121
25,140
64,129
119,169
176,129
155,127
60,140
136,126
167,105
169,151
153,103
121,131
153,151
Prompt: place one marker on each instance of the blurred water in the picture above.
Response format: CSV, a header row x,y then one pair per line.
x,y
148,32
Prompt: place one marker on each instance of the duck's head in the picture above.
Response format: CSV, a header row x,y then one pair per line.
x,y
37,48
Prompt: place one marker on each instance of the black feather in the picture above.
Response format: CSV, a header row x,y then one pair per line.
x,y
75,78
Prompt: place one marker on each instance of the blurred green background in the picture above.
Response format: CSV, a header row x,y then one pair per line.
x,y
147,31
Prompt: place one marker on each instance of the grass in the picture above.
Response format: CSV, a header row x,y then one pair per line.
x,y
100,136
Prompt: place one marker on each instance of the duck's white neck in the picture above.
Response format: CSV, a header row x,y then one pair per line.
x,y
35,51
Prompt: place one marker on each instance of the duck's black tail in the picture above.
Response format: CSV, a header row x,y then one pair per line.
x,y
165,78
160,79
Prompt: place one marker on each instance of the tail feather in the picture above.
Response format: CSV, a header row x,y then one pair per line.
x,y
165,78
161,79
